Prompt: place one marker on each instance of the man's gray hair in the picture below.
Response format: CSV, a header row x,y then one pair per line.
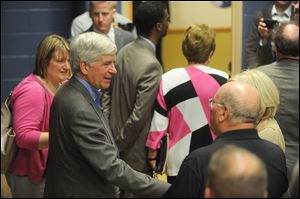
x,y
89,47
238,110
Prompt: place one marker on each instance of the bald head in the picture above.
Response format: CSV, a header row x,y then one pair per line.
x,y
242,101
236,172
291,31
286,40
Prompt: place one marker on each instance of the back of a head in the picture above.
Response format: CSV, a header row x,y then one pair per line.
x,y
147,14
236,172
286,39
268,91
89,47
198,43
242,101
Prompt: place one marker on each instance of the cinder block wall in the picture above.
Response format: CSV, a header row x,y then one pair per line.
x,y
23,25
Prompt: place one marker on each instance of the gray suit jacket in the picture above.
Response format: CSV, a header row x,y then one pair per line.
x,y
130,102
257,55
83,158
285,75
122,37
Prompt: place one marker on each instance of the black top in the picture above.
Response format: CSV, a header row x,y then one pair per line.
x,y
191,179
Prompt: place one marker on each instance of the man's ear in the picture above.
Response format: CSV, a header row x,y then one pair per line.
x,y
114,14
221,118
83,67
223,114
158,26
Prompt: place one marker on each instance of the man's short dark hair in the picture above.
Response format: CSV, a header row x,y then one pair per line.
x,y
147,15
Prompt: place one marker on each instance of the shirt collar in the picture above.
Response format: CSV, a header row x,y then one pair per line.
x,y
150,42
95,93
286,13
239,134
110,34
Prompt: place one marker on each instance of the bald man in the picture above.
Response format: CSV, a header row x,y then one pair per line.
x,y
285,74
234,110
236,172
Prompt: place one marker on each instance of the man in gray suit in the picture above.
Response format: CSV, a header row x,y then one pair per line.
x,y
83,158
129,103
285,75
102,14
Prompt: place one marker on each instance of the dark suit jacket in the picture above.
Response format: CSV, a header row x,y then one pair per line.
x,y
83,158
191,179
257,55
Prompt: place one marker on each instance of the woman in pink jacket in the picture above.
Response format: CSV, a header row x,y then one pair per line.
x,y
31,101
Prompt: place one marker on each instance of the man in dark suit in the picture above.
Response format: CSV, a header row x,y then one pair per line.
x,y
285,74
259,47
235,112
102,14
83,158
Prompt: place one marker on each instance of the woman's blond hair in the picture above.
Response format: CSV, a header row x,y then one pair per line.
x,y
265,86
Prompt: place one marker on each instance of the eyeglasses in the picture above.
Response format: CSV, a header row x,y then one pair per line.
x,y
211,102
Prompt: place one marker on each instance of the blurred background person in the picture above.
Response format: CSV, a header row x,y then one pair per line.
x,y
83,22
259,50
31,101
102,14
234,172
267,127
285,74
181,109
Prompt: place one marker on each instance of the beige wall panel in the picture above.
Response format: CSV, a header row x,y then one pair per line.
x,y
173,57
185,13
127,9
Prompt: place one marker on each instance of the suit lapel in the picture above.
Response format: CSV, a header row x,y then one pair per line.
x,y
78,86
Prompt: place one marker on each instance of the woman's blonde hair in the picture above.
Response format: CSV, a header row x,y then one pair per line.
x,y
198,43
50,47
268,91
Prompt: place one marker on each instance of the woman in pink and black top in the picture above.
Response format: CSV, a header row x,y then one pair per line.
x,y
31,101
181,108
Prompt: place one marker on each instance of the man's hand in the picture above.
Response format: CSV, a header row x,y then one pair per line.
x,y
152,158
264,32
